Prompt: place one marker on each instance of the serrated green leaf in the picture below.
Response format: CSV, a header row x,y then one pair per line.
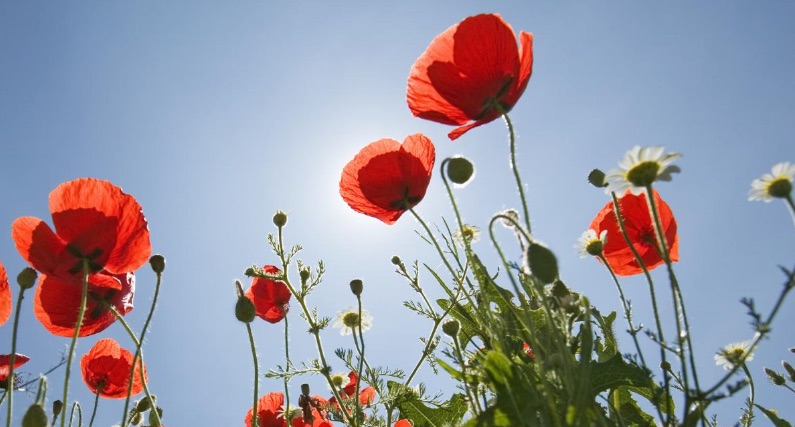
x,y
772,415
627,409
449,413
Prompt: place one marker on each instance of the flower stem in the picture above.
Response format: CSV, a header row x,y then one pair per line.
x,y
515,170
96,404
627,309
80,314
791,206
287,364
10,378
255,418
751,395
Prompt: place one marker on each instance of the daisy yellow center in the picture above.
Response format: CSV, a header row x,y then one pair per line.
x,y
351,320
339,380
780,187
643,174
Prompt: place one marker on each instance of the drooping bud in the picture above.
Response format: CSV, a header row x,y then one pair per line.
x,y
57,407
451,327
27,278
245,310
35,416
357,286
280,219
460,170
597,178
158,263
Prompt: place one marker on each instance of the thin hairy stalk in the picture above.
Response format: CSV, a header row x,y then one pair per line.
x,y
751,395
515,170
678,299
75,408
137,343
360,349
81,312
96,404
137,354
287,365
313,327
791,206
10,377
655,308
255,418
473,398
429,342
627,310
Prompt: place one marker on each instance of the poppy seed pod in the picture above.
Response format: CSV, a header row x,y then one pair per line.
x,y
27,278
357,286
245,311
280,219
460,170
158,263
597,178
451,328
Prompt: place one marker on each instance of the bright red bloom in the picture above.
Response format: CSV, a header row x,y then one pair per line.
x,y
528,351
270,412
470,74
271,297
366,394
5,296
93,220
640,229
5,365
388,178
57,303
106,370
403,423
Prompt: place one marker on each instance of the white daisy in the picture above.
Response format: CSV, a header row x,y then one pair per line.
x,y
591,244
348,320
639,168
467,233
340,380
777,184
734,354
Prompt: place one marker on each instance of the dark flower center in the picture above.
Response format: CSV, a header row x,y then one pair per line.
x,y
407,202
93,266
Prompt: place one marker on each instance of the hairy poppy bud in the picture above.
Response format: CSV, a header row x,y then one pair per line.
x,y
136,419
57,407
460,170
597,178
357,286
666,366
26,278
153,418
158,263
145,404
542,263
280,219
35,416
451,328
245,310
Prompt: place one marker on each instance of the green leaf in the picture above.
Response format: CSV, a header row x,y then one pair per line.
x,y
627,410
773,416
448,413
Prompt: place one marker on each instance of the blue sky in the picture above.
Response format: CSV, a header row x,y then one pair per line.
x,y
215,115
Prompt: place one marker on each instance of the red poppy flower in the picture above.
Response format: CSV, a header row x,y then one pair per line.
x,y
640,229
470,74
270,411
56,303
5,296
528,351
388,178
270,297
93,220
5,365
366,394
106,370
403,423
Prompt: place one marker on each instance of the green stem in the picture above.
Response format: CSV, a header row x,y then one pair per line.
x,y
288,365
75,408
10,378
140,343
475,403
255,418
627,310
515,170
94,411
752,392
791,206
80,314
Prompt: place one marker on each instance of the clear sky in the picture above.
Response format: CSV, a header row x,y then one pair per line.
x,y
216,114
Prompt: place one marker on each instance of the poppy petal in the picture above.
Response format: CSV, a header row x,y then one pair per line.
x,y
40,247
5,364
5,296
106,370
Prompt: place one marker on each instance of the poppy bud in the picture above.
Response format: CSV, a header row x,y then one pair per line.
x,y
460,170
666,366
35,416
542,263
357,286
153,418
158,263
245,310
775,377
57,407
305,389
396,260
790,371
304,273
597,178
145,404
280,219
136,418
451,328
26,278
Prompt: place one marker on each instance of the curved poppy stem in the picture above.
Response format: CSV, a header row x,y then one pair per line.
x,y
140,343
679,303
655,308
515,169
94,411
75,408
80,314
12,361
